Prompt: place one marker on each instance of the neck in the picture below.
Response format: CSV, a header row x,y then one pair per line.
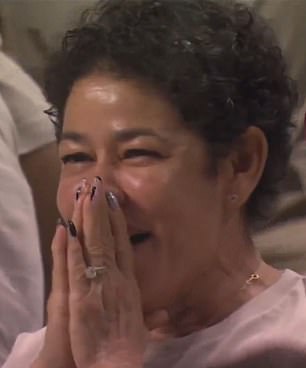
x,y
222,289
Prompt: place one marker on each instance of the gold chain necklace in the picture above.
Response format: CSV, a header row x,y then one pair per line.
x,y
253,277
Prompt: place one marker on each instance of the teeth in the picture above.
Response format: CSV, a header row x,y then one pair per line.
x,y
138,238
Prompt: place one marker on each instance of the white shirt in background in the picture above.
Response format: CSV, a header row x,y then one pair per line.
x,y
23,129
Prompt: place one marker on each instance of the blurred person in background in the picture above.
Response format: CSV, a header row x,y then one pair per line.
x,y
31,29
28,172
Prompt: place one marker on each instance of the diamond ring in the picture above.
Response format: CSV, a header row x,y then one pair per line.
x,y
91,272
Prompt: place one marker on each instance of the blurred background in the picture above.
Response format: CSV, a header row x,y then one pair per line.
x,y
32,28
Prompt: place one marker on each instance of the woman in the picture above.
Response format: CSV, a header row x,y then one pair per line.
x,y
173,122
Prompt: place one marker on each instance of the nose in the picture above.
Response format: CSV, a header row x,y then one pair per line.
x,y
110,183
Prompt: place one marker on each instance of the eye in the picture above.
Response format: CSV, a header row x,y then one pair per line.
x,y
76,158
140,152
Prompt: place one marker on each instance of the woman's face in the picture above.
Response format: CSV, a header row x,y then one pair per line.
x,y
134,139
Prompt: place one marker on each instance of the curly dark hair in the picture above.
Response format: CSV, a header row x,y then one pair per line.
x,y
216,61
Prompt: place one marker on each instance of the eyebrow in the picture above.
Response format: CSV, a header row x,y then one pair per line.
x,y
73,136
120,135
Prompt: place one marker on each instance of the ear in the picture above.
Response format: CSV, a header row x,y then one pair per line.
x,y
247,161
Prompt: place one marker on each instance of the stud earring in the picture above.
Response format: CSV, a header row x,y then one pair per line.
x,y
233,197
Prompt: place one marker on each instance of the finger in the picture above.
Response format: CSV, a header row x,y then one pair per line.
x,y
159,325
58,305
59,248
58,301
76,263
123,247
98,239
85,294
157,319
75,252
77,215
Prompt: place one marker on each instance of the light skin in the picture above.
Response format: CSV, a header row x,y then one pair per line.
x,y
189,272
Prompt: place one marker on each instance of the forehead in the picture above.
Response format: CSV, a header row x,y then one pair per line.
x,y
102,110
99,98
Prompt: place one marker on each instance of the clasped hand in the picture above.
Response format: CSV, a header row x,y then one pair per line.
x,y
98,322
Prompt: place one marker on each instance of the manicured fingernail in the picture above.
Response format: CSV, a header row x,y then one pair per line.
x,y
81,188
72,229
96,184
78,193
61,222
112,200
93,191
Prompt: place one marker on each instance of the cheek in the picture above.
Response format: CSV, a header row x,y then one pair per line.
x,y
145,189
65,197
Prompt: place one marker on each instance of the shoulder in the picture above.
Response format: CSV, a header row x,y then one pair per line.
x,y
278,314
274,321
25,349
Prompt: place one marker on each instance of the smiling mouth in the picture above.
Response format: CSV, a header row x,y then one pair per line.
x,y
137,239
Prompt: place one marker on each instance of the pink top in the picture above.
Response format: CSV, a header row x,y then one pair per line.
x,y
274,319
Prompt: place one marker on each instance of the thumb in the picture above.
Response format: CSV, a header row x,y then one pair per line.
x,y
158,324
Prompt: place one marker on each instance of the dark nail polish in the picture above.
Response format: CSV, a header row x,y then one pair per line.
x,y
112,200
77,194
99,178
72,229
93,191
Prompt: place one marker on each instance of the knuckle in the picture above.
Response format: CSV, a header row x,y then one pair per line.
x,y
57,304
95,253
86,306
78,273
54,248
56,297
127,303
74,249
108,259
111,317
